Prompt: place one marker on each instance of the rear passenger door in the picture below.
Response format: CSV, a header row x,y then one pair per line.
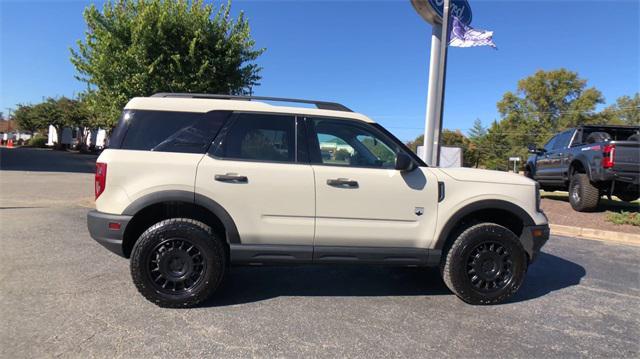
x,y
255,171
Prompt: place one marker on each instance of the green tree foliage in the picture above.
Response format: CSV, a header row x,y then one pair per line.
x,y
27,119
136,48
626,111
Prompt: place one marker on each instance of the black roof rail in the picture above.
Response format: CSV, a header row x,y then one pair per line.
x,y
322,105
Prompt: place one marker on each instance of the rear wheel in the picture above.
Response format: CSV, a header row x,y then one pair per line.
x,y
178,262
583,195
485,265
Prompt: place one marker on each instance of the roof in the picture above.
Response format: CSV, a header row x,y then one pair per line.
x,y
186,103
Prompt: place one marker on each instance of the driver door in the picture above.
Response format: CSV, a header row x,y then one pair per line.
x,y
361,200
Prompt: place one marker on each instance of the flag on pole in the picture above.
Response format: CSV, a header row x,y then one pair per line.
x,y
465,36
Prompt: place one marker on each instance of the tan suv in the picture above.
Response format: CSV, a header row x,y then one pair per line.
x,y
191,184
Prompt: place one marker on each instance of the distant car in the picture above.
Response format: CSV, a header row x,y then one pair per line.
x,y
193,183
589,162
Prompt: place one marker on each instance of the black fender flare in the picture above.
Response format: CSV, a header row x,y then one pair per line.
x,y
477,206
189,197
584,161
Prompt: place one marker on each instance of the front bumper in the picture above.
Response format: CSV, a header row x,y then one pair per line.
x,y
533,238
102,228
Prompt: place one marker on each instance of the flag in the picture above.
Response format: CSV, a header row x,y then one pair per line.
x,y
462,35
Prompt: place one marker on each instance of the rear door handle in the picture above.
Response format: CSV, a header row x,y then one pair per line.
x,y
231,178
343,183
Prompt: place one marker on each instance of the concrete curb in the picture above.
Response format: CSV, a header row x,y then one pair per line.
x,y
596,234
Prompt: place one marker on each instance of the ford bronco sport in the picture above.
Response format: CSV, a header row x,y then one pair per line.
x,y
191,184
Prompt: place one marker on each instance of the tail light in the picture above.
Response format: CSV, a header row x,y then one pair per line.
x,y
101,178
608,155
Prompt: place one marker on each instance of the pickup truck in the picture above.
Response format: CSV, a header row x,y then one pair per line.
x,y
589,161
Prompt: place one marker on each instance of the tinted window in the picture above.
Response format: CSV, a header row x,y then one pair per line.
x,y
347,143
562,140
168,131
550,144
260,137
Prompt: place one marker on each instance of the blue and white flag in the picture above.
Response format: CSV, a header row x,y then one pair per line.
x,y
465,36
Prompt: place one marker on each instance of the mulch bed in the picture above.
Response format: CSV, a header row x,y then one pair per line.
x,y
556,206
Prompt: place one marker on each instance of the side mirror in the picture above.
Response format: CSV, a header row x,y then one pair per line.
x,y
404,162
533,149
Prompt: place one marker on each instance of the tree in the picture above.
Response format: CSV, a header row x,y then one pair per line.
x,y
626,111
497,147
477,131
137,48
27,119
554,99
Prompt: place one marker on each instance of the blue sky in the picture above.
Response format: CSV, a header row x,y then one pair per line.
x,y
370,55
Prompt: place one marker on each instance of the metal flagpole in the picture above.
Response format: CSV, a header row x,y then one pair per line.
x,y
435,99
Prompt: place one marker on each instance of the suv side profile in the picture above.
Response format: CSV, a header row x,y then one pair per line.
x,y
192,184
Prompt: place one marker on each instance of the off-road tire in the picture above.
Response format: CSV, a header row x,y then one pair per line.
x,y
482,243
583,195
178,248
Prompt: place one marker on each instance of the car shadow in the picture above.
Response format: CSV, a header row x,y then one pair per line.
x,y
604,205
548,274
253,284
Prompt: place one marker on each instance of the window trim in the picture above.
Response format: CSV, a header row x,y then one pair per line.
x,y
234,118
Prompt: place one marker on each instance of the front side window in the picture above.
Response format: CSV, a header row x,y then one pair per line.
x,y
562,140
259,137
549,146
348,143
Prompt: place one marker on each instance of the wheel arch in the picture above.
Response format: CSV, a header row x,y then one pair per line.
x,y
500,212
155,207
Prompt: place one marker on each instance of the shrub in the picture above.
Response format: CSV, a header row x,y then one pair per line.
x,y
632,218
38,141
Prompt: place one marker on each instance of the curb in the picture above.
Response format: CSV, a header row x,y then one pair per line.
x,y
596,234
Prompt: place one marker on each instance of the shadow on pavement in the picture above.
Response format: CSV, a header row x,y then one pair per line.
x,y
547,274
604,205
251,284
45,160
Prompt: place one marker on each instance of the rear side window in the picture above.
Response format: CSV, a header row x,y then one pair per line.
x,y
260,137
167,131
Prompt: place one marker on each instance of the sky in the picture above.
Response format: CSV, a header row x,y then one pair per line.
x,y
371,56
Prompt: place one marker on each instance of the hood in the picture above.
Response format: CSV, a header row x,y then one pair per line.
x,y
488,176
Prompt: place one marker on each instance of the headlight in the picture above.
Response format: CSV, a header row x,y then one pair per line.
x,y
538,197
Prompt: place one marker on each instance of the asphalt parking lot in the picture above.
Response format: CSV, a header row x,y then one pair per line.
x,y
62,295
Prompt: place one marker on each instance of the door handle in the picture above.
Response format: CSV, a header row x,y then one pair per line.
x,y
231,178
342,182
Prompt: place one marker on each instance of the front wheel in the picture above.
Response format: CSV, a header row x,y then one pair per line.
x,y
485,265
178,262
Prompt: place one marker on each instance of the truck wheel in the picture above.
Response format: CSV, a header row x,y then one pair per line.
x,y
485,265
177,263
583,196
628,196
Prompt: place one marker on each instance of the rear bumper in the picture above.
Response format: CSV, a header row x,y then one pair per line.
x,y
533,238
98,224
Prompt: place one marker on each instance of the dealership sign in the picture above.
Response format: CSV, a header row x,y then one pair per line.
x,y
431,10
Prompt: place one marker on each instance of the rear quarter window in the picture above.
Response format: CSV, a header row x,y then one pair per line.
x,y
167,131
